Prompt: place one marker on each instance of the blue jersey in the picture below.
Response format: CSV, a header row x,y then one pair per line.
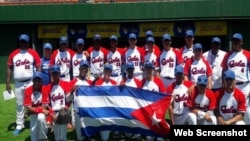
x,y
45,70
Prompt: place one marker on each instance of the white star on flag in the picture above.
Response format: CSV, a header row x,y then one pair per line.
x,y
155,120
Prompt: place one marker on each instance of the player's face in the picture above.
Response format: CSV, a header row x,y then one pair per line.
x,y
150,45
113,43
97,44
24,45
107,74
63,46
47,52
201,88
56,76
130,72
132,42
166,43
179,77
229,83
215,46
237,44
148,72
197,53
37,83
79,48
83,71
189,39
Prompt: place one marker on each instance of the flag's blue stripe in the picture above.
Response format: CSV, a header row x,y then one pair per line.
x,y
106,112
91,131
118,91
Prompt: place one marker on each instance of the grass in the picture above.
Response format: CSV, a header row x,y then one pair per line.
x,y
7,122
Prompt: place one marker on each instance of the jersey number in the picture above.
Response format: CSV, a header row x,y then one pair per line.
x,y
27,67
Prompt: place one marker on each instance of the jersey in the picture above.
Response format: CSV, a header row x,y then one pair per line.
x,y
153,57
194,68
205,102
180,96
230,104
238,62
134,82
97,60
155,85
35,99
23,63
101,82
116,60
76,60
215,64
168,61
45,70
155,47
58,94
186,53
136,56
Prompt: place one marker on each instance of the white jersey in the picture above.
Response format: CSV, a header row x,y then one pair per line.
x,y
152,57
115,59
155,85
76,60
97,60
215,63
136,56
187,53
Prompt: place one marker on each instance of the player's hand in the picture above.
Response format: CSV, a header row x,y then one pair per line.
x,y
85,53
46,112
208,117
8,88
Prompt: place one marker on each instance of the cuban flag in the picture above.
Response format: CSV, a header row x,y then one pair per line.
x,y
121,108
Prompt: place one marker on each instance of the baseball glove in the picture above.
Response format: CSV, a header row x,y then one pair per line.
x,y
63,116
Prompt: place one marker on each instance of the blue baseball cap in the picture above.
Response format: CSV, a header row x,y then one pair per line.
x,y
55,68
202,80
108,66
63,40
166,37
79,41
130,64
197,46
179,69
150,39
189,33
97,37
132,36
237,36
113,37
149,33
229,74
149,64
38,75
84,63
47,45
216,40
24,37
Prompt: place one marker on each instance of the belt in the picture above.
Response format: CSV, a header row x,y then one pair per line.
x,y
241,83
62,75
95,74
25,80
115,75
178,114
169,78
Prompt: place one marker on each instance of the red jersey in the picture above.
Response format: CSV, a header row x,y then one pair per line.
x,y
36,99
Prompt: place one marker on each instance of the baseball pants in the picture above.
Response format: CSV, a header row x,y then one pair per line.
x,y
38,127
78,127
60,132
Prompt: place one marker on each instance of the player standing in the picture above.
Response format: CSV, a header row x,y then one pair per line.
x,y
36,101
47,50
187,50
21,63
149,33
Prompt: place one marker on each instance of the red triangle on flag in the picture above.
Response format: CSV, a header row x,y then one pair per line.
x,y
153,116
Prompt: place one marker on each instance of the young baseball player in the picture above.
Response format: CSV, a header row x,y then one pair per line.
x,y
149,33
215,56
47,50
231,102
97,58
197,66
21,63
202,102
62,57
187,50
81,80
169,59
58,91
36,101
179,113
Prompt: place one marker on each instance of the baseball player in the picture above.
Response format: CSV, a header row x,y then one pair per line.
x,y
231,102
179,113
238,61
202,102
36,100
21,63
59,89
187,50
78,57
106,81
197,66
215,56
152,83
115,58
81,80
149,33
169,59
62,57
97,58
47,50
136,55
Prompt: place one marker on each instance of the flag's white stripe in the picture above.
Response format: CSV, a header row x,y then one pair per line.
x,y
96,122
111,101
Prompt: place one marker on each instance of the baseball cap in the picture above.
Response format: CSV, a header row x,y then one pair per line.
x,y
237,36
84,63
47,45
216,40
63,40
130,64
149,33
132,36
229,74
113,37
179,69
55,68
79,41
149,64
97,37
189,33
108,66
197,46
24,37
166,37
150,39
38,75
202,80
